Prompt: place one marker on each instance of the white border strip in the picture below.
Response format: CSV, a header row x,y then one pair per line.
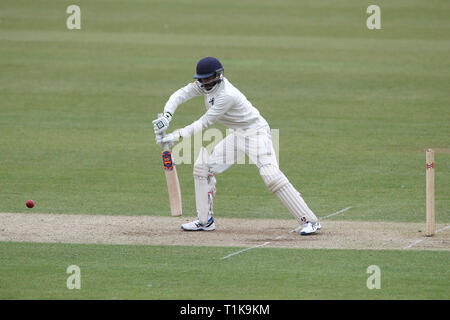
x,y
420,240
280,237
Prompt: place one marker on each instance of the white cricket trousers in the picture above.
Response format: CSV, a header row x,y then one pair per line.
x,y
257,145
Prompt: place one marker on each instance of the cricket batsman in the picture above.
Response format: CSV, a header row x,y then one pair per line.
x,y
249,135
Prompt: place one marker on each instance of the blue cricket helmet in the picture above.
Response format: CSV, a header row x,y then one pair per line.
x,y
208,67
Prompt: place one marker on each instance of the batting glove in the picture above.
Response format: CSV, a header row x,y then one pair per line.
x,y
161,124
159,137
171,138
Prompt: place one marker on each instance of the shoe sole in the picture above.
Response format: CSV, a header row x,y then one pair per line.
x,y
202,229
197,229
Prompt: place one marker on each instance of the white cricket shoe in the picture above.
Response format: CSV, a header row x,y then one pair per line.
x,y
197,226
310,227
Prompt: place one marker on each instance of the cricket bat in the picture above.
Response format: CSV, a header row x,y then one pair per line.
x,y
173,185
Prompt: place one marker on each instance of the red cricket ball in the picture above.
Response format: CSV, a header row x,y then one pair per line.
x,y
30,203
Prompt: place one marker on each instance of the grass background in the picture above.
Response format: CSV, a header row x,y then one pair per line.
x,y
356,109
149,272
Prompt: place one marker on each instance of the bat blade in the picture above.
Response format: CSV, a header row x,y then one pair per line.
x,y
173,184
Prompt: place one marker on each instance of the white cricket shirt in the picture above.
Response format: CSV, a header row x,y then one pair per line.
x,y
224,104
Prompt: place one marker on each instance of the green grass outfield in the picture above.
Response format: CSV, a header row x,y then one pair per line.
x,y
355,109
38,271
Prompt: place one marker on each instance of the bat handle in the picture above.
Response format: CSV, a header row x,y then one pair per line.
x,y
165,146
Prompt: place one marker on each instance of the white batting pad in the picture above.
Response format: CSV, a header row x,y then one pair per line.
x,y
277,183
292,199
201,164
204,184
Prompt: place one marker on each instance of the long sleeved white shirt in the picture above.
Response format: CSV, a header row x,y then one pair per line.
x,y
224,104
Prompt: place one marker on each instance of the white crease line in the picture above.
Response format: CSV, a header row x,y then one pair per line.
x,y
323,218
280,237
420,240
337,212
240,251
413,243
